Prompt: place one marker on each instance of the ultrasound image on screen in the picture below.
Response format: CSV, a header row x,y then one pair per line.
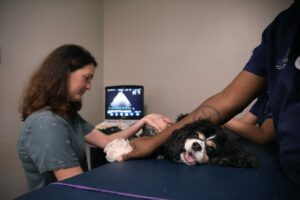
x,y
124,102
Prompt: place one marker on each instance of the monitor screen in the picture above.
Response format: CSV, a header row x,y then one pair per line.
x,y
124,102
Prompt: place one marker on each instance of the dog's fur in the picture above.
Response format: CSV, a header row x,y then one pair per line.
x,y
203,142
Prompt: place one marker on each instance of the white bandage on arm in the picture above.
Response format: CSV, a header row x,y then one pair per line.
x,y
116,148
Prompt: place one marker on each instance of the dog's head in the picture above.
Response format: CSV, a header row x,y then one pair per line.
x,y
203,142
194,143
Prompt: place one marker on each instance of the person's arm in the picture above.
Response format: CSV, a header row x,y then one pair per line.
x,y
99,139
219,108
261,135
62,174
249,118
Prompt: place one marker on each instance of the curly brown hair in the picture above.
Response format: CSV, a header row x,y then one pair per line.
x,y
48,86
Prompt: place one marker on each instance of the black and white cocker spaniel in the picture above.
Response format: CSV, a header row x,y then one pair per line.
x,y
202,142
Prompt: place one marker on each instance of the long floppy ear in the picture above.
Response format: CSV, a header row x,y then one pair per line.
x,y
174,145
234,155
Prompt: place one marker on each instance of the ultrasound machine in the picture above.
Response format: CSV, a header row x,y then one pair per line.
x,y
124,105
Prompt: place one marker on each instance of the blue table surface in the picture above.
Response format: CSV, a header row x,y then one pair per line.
x,y
169,180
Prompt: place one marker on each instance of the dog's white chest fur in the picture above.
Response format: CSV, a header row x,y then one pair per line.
x,y
116,148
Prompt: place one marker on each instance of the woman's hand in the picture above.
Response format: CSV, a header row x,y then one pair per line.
x,y
157,121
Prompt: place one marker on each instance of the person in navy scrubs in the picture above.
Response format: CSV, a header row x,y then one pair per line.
x,y
274,67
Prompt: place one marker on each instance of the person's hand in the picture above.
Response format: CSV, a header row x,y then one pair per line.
x,y
157,121
142,147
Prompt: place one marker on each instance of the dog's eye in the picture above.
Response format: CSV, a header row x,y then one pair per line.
x,y
195,135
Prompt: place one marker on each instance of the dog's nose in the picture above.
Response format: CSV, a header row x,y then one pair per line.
x,y
196,146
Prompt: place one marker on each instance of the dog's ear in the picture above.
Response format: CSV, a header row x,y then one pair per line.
x,y
174,145
221,136
234,155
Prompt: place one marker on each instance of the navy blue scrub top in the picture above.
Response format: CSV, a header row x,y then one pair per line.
x,y
272,60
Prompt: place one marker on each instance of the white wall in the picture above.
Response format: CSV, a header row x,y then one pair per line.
x,y
182,51
29,30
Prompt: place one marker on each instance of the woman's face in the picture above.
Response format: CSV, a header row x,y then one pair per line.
x,y
80,81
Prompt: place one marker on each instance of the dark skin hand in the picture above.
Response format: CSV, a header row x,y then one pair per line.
x,y
218,109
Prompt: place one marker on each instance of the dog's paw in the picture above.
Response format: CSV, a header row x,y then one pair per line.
x,y
116,148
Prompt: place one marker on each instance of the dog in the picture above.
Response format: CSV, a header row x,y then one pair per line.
x,y
203,142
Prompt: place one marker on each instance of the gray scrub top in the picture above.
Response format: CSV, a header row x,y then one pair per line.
x,y
48,142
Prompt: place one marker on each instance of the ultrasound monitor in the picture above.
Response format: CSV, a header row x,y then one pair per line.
x,y
124,102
